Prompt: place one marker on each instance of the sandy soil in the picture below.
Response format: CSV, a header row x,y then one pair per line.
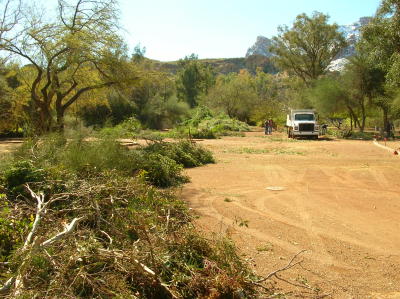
x,y
9,145
341,203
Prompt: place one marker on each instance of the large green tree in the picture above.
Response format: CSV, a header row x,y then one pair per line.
x,y
193,79
332,98
381,42
75,52
234,94
307,48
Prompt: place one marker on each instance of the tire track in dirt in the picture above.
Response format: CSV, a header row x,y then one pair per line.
x,y
341,206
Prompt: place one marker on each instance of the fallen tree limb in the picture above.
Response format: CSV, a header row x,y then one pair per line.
x,y
40,208
145,269
291,264
7,285
16,281
68,229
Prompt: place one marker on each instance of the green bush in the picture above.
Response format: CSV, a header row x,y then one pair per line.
x,y
12,229
20,173
204,133
348,134
85,157
163,162
359,135
163,171
208,125
129,128
183,152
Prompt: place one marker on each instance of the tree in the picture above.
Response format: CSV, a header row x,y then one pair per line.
x,y
12,114
381,39
366,85
154,100
381,42
330,96
271,101
234,94
76,52
193,79
308,47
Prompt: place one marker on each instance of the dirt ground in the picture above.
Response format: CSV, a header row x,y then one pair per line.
x,y
9,145
340,202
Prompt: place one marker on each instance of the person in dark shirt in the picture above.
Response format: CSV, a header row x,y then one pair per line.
x,y
324,128
266,126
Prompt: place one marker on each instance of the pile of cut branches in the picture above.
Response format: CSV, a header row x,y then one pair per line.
x,y
112,236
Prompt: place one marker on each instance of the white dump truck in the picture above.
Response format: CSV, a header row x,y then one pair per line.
x,y
301,123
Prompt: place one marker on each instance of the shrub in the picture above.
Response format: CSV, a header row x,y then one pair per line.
x,y
163,162
348,134
129,128
205,124
20,173
359,135
163,171
183,152
12,228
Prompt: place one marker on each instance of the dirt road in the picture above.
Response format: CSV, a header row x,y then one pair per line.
x,y
341,202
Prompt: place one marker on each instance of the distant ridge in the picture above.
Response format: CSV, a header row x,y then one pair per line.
x,y
226,65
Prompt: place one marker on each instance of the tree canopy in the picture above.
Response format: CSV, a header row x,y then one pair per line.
x,y
193,79
307,48
77,51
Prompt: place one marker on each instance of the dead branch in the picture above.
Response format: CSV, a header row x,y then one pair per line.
x,y
291,264
108,236
292,283
40,208
17,280
68,229
168,215
145,269
7,286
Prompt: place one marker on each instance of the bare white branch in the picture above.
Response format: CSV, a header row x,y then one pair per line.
x,y
39,211
68,229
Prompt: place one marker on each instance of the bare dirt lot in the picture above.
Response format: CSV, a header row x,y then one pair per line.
x,y
341,202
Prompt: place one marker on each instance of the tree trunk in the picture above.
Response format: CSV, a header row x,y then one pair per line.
x,y
41,118
351,122
363,116
60,120
385,118
354,117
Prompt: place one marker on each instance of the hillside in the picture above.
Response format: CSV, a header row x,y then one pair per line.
x,y
226,65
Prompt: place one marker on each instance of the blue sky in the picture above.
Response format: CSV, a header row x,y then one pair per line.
x,y
171,29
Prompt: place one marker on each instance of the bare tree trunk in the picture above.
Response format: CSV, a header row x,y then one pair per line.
x,y
41,117
363,116
60,120
351,122
385,118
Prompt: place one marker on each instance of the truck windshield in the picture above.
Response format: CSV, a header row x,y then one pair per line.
x,y
304,117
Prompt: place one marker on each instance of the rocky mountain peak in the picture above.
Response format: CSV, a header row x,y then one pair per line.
x,y
260,47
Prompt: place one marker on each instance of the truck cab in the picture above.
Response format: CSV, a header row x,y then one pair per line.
x,y
302,123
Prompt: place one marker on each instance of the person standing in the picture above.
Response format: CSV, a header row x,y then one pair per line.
x,y
324,128
270,125
266,124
